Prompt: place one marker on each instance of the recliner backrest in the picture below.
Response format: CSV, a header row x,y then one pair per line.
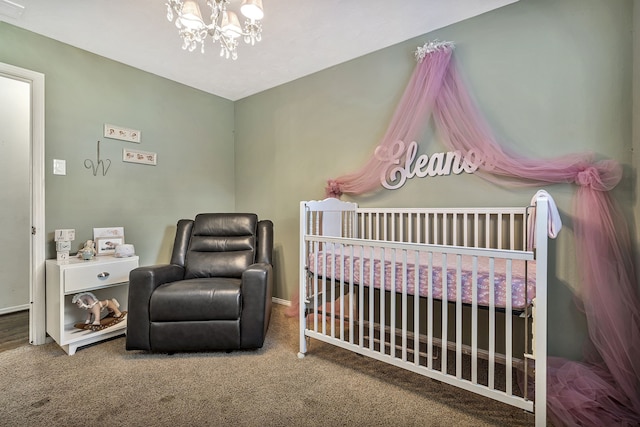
x,y
264,246
181,241
221,245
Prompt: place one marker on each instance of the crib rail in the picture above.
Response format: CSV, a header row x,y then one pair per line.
x,y
426,335
388,326
477,228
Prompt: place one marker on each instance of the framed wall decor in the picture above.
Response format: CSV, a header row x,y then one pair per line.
x,y
136,156
107,238
108,232
123,134
107,245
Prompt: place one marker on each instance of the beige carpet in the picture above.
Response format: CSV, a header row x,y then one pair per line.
x,y
104,385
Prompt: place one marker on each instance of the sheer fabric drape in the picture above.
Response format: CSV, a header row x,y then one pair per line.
x,y
603,389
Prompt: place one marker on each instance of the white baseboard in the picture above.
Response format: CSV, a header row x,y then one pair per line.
x,y
14,309
281,301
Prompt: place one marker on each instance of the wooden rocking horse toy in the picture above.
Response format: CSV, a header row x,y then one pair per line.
x,y
89,302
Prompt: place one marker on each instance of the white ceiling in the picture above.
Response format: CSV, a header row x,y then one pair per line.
x,y
300,37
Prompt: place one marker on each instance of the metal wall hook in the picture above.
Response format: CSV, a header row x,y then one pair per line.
x,y
106,164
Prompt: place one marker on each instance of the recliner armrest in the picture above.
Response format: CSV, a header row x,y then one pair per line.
x,y
142,282
257,288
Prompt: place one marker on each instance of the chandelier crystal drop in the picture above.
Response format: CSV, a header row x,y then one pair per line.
x,y
224,27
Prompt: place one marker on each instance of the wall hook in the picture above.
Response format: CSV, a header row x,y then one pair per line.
x,y
106,164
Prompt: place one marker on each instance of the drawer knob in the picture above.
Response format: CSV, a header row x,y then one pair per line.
x,y
103,275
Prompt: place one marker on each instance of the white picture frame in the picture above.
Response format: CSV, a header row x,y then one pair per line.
x,y
141,157
107,245
123,134
108,232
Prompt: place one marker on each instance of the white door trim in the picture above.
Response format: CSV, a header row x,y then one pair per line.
x,y
37,319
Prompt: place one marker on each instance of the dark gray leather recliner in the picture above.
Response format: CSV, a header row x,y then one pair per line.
x,y
215,294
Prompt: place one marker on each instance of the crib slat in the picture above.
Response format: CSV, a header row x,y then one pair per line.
x,y
444,229
508,331
410,235
361,304
341,297
458,316
492,324
445,313
476,227
381,309
416,312
499,243
487,230
512,231
394,296
371,299
315,285
454,231
405,313
332,284
474,322
392,319
351,297
430,313
465,229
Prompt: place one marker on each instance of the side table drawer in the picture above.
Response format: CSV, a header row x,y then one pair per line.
x,y
100,274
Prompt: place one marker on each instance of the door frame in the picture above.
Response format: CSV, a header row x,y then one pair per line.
x,y
37,290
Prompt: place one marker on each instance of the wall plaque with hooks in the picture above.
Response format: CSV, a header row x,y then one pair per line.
x,y
106,164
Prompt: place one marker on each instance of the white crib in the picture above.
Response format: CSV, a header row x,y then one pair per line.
x,y
397,285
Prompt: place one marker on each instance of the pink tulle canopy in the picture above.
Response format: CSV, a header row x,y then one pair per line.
x,y
604,388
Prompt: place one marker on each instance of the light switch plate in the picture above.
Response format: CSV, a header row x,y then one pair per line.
x,y
59,167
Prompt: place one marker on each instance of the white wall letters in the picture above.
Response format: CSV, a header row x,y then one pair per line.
x,y
438,164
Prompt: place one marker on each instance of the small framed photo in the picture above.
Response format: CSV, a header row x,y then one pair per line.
x,y
107,245
108,232
142,157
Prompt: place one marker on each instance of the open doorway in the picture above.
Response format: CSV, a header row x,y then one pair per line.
x,y
22,215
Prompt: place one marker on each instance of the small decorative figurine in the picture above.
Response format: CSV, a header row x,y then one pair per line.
x,y
88,301
88,251
63,238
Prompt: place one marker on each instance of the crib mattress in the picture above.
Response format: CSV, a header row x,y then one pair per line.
x,y
395,275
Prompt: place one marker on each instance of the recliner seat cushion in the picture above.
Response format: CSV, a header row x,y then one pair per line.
x,y
221,245
205,299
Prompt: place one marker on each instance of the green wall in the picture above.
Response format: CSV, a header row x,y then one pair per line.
x,y
191,132
551,77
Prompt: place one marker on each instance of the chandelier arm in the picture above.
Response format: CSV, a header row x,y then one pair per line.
x,y
192,29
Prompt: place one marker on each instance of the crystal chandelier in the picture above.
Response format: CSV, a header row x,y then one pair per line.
x,y
224,27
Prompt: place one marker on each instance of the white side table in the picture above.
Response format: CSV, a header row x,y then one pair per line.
x,y
105,276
